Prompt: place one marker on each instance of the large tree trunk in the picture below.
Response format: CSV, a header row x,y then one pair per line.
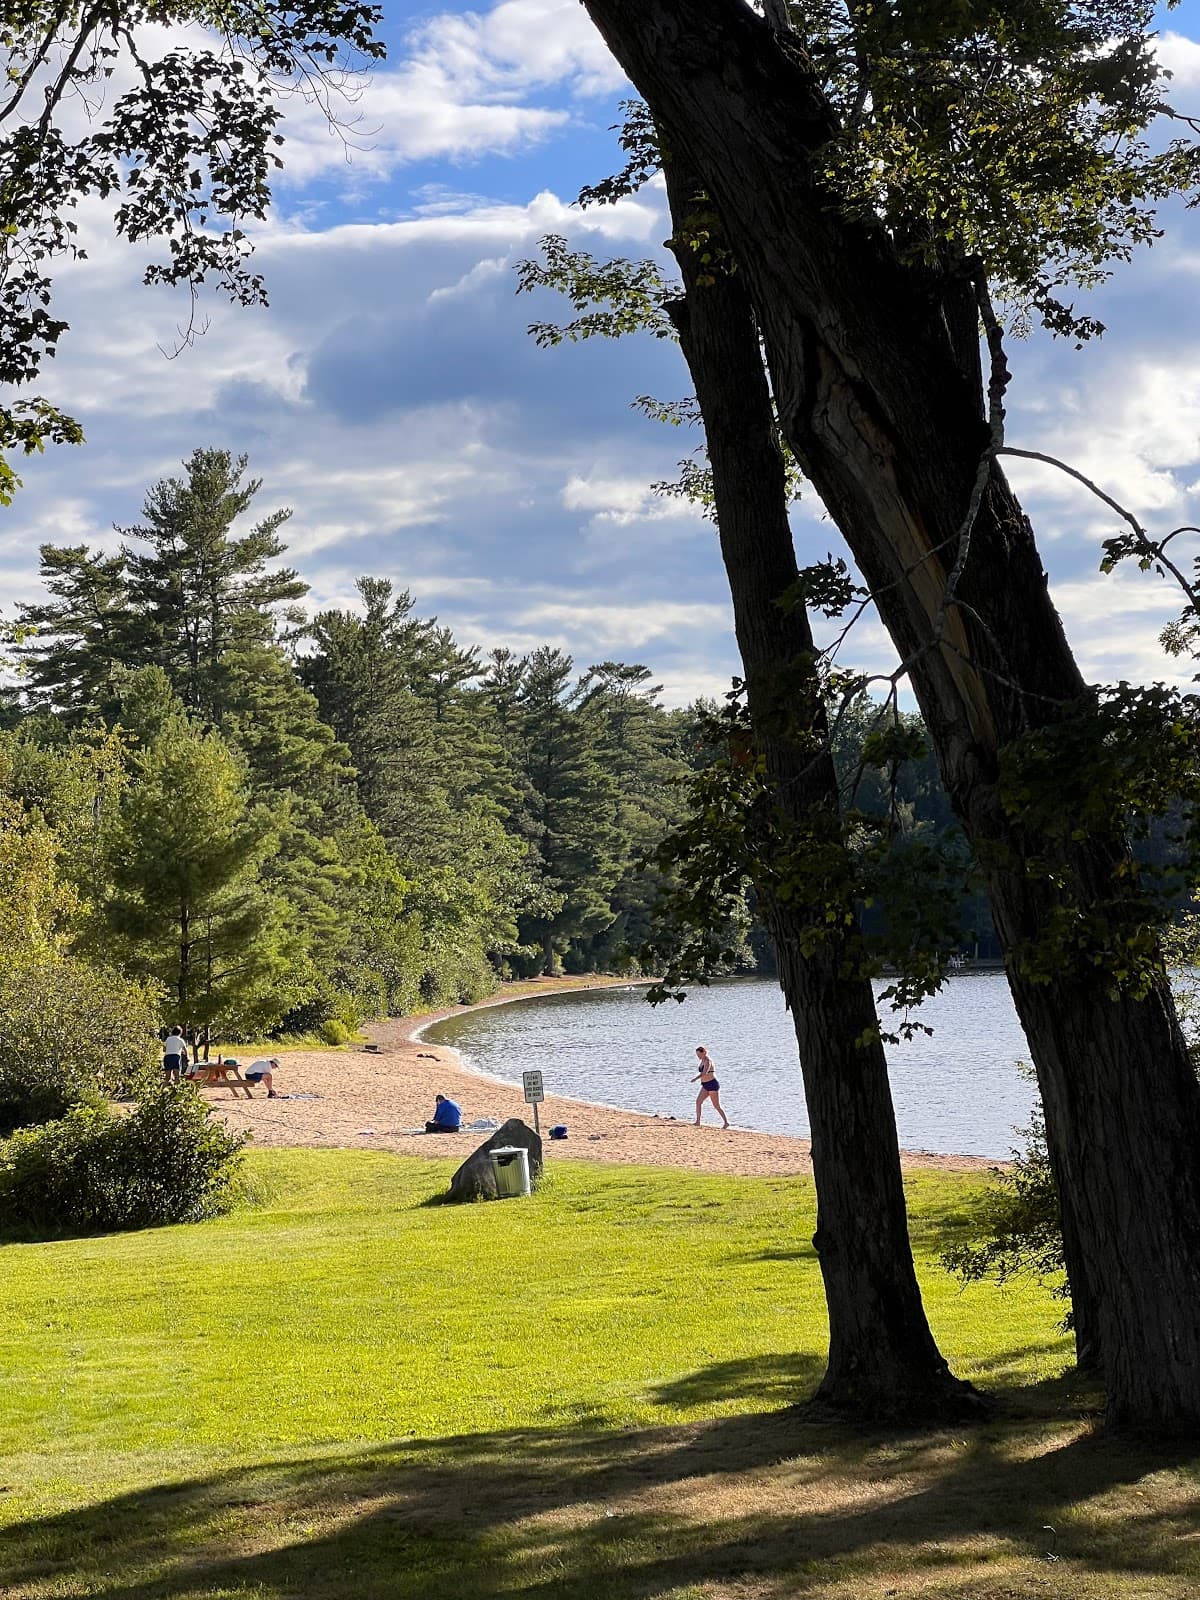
x,y
885,418
883,1360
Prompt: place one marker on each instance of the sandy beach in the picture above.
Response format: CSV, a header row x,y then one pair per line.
x,y
360,1099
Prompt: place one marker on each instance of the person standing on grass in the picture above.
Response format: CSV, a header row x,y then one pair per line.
x,y
709,1087
174,1055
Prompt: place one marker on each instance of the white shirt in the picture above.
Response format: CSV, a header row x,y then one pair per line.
x,y
257,1066
174,1045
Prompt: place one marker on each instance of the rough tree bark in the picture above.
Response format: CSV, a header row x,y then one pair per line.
x,y
885,419
883,1361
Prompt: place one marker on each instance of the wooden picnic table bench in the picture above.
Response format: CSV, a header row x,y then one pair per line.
x,y
212,1074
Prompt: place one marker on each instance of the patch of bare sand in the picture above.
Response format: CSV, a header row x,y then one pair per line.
x,y
356,1098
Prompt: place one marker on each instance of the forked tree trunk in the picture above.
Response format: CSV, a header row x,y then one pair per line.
x,y
886,421
883,1361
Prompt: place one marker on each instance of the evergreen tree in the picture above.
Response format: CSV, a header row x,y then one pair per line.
x,y
204,596
77,638
201,604
184,902
640,750
568,815
361,673
397,690
275,722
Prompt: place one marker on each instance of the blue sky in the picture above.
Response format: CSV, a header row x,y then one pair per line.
x,y
391,396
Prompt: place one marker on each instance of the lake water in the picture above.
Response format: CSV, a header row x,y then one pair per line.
x,y
957,1092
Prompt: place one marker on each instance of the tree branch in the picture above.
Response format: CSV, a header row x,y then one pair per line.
x,y
1145,546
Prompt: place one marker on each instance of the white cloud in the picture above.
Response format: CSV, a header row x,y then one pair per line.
x,y
391,397
400,118
622,501
1135,436
516,46
1181,57
460,91
629,626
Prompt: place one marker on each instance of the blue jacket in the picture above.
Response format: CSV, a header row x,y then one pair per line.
x,y
447,1115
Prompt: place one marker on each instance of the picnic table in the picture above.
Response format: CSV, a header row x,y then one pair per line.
x,y
212,1074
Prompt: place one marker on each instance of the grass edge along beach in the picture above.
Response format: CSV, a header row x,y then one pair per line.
x,y
341,1391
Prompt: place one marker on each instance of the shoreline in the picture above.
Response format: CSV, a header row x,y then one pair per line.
x,y
358,1098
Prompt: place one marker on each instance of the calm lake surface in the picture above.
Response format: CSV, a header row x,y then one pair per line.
x,y
958,1092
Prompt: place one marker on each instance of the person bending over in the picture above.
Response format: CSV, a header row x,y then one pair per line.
x,y
261,1072
447,1118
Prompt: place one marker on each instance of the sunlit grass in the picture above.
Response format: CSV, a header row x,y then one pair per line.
x,y
257,1405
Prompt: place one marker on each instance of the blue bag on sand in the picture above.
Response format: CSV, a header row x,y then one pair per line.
x,y
559,1131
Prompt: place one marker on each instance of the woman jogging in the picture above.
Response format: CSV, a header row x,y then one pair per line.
x,y
709,1087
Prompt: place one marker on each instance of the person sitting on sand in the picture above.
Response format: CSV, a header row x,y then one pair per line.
x,y
447,1118
707,1078
260,1072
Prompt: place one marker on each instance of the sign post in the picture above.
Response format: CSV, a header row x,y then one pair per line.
x,y
534,1095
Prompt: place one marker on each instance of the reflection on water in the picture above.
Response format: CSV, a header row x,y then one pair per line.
x,y
956,1092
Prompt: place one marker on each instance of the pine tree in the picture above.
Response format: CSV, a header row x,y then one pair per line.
x,y
569,808
184,903
79,637
639,744
361,674
206,597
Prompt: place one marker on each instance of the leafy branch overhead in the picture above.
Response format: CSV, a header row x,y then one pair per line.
x,y
179,136
613,297
1018,136
888,889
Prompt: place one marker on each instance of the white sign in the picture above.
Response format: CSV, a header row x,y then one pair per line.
x,y
533,1088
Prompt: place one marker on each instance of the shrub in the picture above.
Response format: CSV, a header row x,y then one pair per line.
x,y
455,976
334,1032
1019,1233
70,1033
337,1007
97,1171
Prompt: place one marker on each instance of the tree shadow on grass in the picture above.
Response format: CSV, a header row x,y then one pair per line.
x,y
800,1253
771,1378
772,1503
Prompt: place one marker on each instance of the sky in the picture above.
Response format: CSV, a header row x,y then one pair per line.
x,y
391,396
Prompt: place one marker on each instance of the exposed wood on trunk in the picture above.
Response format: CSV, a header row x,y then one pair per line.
x,y
886,420
883,1360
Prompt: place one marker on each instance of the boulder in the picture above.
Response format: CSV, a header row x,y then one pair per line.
x,y
475,1179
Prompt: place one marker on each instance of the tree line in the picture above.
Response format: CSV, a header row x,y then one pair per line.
x,y
292,822
288,821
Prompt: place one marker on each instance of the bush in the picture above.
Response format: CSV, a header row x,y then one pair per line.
x,y
1019,1233
455,976
70,1034
98,1171
334,1032
330,1007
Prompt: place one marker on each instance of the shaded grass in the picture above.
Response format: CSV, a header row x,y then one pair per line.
x,y
346,1393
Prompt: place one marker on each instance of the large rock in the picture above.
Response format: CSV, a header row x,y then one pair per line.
x,y
475,1179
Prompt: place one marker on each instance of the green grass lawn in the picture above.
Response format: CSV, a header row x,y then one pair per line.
x,y
342,1391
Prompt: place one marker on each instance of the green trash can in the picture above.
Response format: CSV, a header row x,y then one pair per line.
x,y
510,1166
